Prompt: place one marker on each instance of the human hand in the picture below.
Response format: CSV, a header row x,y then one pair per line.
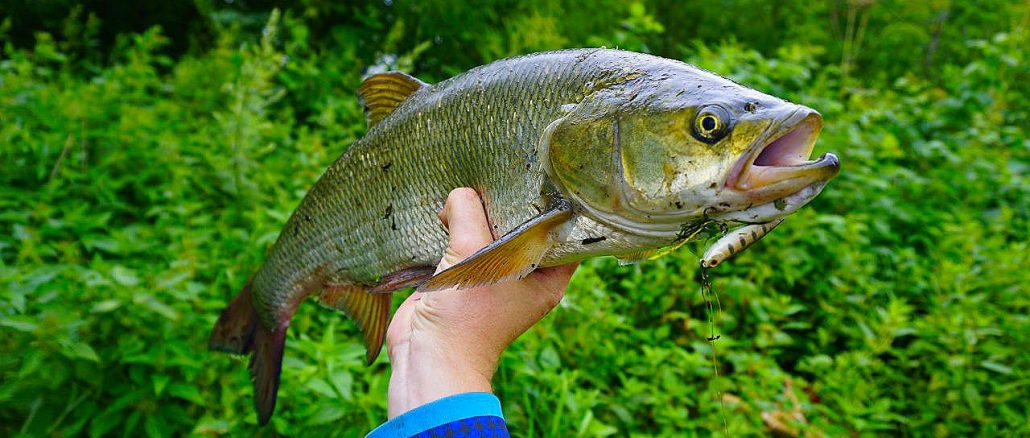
x,y
448,342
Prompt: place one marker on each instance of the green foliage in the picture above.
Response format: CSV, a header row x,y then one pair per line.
x,y
138,189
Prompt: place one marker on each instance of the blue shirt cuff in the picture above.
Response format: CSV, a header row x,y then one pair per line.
x,y
438,413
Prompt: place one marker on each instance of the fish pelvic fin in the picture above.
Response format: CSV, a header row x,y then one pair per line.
x,y
514,256
639,256
234,331
403,278
382,93
370,310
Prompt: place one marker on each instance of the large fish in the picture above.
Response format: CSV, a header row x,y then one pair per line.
x,y
576,154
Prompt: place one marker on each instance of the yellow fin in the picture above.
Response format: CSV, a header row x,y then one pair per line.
x,y
651,254
381,93
370,311
515,255
639,256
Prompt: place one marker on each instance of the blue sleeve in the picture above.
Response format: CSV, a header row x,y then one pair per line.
x,y
469,415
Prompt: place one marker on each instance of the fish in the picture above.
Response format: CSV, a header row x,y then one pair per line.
x,y
575,154
734,242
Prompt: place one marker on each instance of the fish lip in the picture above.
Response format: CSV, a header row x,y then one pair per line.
x,y
775,208
778,163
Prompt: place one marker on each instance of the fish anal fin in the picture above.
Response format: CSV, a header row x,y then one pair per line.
x,y
513,256
370,311
409,277
382,93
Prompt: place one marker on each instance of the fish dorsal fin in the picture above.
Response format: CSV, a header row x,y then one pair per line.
x,y
515,255
381,93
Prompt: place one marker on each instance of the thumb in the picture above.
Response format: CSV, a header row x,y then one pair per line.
x,y
469,231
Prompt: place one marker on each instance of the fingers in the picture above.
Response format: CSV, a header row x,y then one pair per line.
x,y
469,231
465,219
555,279
556,276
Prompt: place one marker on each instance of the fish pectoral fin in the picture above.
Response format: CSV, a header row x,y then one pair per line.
x,y
515,255
370,311
382,93
403,278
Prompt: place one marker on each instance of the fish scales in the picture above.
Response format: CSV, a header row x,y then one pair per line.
x,y
477,130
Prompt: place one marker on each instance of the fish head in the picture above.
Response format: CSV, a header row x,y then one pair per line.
x,y
683,145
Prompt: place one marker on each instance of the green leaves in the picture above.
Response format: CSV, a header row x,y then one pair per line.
x,y
80,350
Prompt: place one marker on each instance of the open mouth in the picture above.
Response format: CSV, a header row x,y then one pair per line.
x,y
786,158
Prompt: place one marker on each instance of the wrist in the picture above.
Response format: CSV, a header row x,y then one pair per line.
x,y
430,371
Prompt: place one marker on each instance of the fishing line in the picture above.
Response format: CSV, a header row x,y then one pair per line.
x,y
706,284
706,293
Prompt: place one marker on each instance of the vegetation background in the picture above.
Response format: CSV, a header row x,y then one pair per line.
x,y
150,152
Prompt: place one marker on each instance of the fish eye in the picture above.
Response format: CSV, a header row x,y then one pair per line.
x,y
711,124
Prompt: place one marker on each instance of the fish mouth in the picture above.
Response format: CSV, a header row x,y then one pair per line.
x,y
780,165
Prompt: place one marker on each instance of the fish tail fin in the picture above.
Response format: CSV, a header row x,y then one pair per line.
x,y
234,331
266,363
370,310
238,331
